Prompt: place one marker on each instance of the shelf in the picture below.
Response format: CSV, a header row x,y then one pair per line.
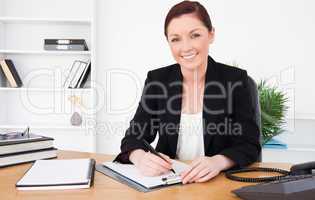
x,y
293,148
42,52
45,20
22,127
23,89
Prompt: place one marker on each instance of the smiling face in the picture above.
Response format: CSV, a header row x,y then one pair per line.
x,y
189,41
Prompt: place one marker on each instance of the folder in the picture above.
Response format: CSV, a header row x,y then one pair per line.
x,y
129,175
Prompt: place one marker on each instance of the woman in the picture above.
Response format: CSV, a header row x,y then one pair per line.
x,y
200,108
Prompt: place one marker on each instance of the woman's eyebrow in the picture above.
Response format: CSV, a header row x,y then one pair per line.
x,y
173,34
196,29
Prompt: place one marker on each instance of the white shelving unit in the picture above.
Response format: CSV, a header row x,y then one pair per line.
x,y
66,90
43,52
42,103
25,20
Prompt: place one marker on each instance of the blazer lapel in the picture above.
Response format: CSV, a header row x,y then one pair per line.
x,y
209,103
174,108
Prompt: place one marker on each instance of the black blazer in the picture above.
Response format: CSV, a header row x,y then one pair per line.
x,y
228,122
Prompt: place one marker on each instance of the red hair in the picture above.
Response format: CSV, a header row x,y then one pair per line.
x,y
188,7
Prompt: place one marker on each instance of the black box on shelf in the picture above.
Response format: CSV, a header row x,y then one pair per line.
x,y
65,45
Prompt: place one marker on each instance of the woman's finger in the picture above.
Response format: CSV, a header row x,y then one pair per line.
x,y
156,167
192,174
148,171
159,161
207,177
201,174
194,164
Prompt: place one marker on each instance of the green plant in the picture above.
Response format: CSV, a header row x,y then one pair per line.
x,y
273,108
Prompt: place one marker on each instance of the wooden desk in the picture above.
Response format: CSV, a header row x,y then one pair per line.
x,y
218,188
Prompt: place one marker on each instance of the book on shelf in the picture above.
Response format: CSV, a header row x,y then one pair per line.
x,y
84,76
10,73
58,174
78,74
65,45
2,78
22,147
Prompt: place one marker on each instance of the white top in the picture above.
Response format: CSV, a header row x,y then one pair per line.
x,y
190,137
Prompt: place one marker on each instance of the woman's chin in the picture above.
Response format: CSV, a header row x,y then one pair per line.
x,y
190,66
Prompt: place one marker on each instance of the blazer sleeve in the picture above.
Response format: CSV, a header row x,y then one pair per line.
x,y
143,125
245,147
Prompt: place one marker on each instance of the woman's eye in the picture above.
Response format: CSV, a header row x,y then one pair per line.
x,y
195,35
174,40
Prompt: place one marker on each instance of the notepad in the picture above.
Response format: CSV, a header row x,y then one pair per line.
x,y
58,174
131,172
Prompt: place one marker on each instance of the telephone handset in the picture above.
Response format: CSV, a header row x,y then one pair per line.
x,y
304,169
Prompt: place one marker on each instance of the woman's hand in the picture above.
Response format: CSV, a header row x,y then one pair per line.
x,y
205,168
149,164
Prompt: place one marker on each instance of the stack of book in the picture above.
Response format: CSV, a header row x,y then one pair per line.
x,y
65,45
78,74
19,147
9,71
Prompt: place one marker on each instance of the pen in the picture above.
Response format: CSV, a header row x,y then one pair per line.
x,y
152,150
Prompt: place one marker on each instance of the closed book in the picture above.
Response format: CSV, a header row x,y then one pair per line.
x,y
76,78
2,78
73,70
22,146
11,73
20,137
58,174
25,157
65,41
65,47
84,76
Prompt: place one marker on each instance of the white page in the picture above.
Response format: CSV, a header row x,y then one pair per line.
x,y
130,171
46,172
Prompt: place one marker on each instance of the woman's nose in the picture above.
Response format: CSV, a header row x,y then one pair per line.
x,y
186,45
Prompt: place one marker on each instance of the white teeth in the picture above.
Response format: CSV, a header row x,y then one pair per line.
x,y
189,57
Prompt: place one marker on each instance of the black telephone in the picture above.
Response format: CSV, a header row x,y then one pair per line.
x,y
298,183
296,170
302,169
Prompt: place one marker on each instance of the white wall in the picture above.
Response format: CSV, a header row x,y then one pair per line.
x,y
2,5
53,9
270,39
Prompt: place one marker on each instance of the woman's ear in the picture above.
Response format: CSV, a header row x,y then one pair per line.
x,y
211,35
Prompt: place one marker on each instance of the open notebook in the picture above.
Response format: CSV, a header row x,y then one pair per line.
x,y
128,174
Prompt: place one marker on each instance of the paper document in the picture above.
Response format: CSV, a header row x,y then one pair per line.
x,y
131,172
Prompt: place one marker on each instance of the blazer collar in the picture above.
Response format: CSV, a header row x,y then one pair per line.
x,y
175,96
